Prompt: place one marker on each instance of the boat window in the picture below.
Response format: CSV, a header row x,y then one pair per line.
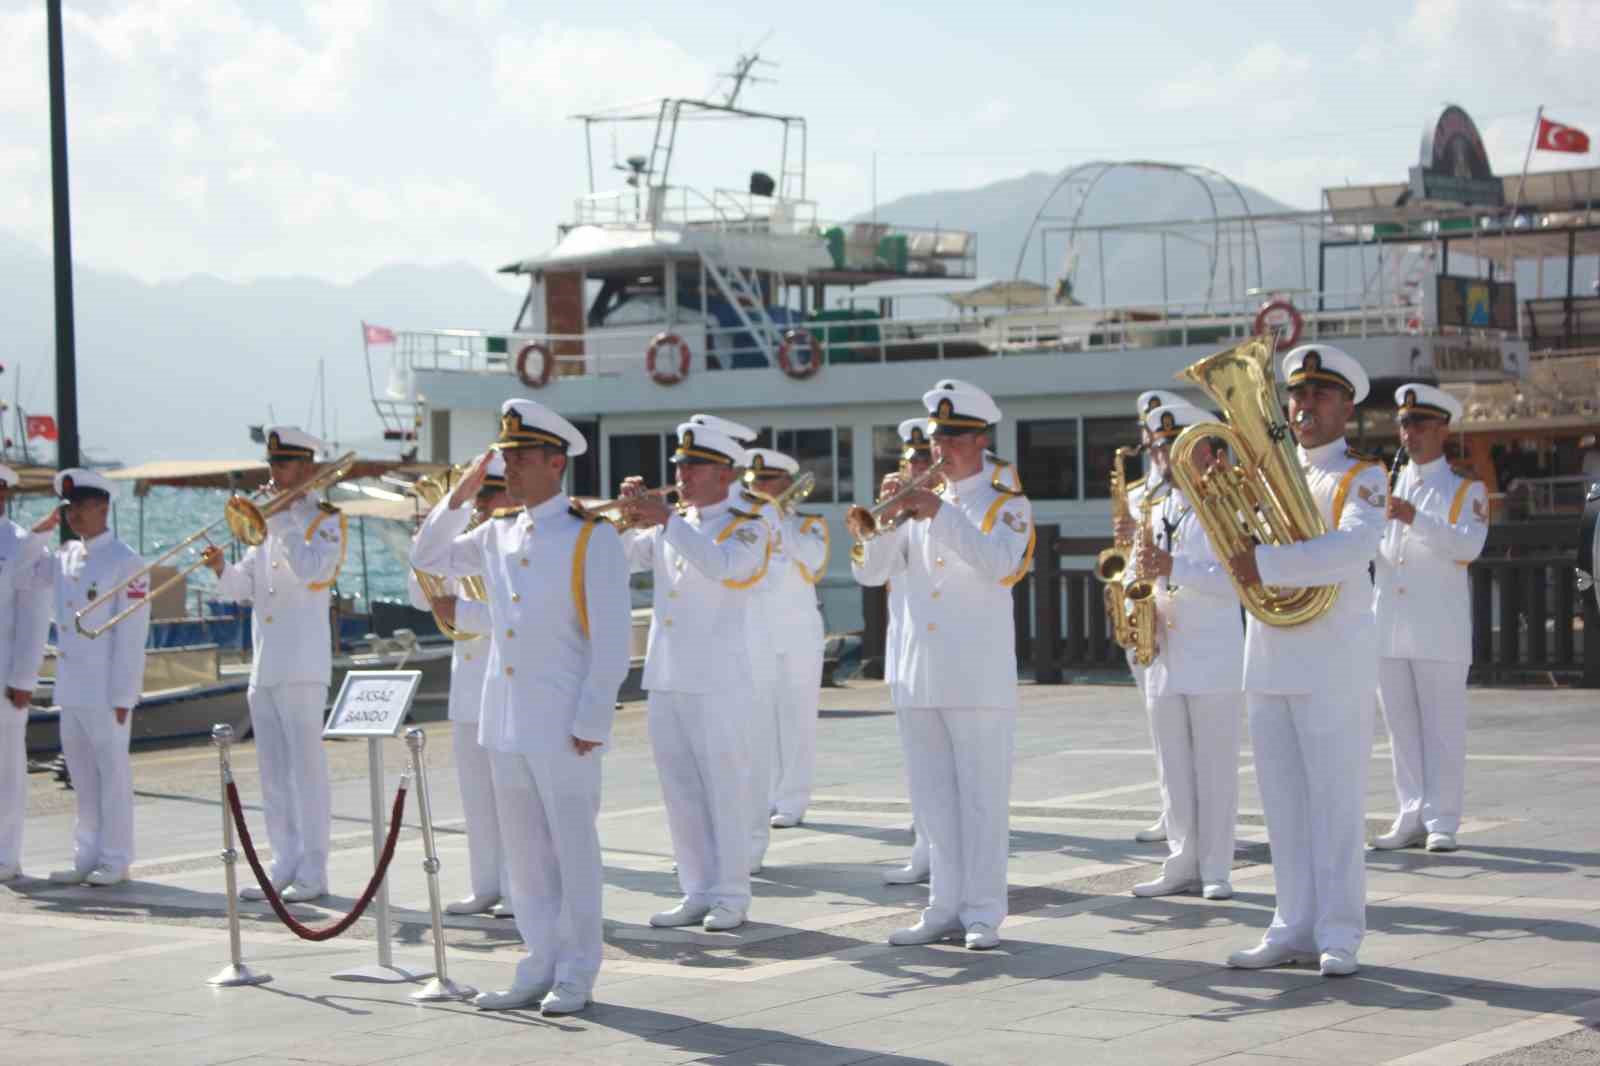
x,y
640,310
886,449
1101,439
819,451
1047,457
639,454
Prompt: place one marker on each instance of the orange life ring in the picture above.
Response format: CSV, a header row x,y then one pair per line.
x,y
547,366
797,338
1296,323
664,376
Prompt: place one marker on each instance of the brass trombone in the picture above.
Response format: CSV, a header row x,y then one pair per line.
x,y
246,519
791,497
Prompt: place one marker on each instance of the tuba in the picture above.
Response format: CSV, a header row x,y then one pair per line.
x,y
1261,495
1112,564
430,489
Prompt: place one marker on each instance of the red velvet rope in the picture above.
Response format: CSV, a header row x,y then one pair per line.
x,y
305,932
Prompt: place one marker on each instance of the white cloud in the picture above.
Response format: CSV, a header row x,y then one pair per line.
x,y
1266,72
558,70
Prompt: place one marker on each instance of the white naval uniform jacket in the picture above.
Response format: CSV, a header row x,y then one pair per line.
x,y
1324,654
706,563
558,619
1421,596
107,671
761,632
469,659
24,607
286,579
957,637
799,560
1199,634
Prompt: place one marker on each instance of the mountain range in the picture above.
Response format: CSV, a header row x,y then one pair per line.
x,y
180,368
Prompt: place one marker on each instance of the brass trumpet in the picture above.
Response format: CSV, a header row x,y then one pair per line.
x,y
245,518
615,511
866,523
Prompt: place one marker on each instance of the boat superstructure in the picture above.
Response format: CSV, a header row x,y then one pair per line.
x,y
660,299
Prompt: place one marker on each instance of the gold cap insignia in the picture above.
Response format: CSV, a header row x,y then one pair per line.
x,y
1167,421
758,464
1312,362
946,408
1152,404
66,486
1411,398
688,438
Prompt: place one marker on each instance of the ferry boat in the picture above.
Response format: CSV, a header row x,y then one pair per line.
x,y
659,299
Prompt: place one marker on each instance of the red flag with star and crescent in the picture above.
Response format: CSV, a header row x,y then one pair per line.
x,y
378,334
1557,137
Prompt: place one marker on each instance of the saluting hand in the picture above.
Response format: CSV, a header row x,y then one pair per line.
x,y
1399,510
49,522
469,486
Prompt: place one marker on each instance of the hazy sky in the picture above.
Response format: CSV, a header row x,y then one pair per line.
x,y
249,138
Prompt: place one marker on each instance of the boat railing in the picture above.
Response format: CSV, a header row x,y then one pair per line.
x,y
847,337
682,205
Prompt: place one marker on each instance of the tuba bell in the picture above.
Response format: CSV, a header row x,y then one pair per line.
x,y
1260,496
430,489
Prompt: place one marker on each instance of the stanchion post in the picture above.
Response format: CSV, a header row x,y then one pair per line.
x,y
441,987
236,972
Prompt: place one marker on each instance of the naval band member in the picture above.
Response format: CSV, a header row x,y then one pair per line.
x,y
1192,687
699,669
1310,688
287,580
558,604
24,623
956,671
1438,521
98,681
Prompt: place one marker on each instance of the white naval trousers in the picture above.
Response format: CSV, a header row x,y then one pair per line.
x,y
1425,708
1311,754
287,723
959,763
701,748
474,773
761,740
96,748
548,802
799,695
1139,682
13,782
1197,745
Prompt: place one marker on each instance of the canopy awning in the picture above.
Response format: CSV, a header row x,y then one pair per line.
x,y
244,475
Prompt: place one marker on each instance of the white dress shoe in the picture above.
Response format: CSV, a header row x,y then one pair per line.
x,y
784,821
721,918
1153,834
253,892
502,909
1264,955
1338,963
1162,886
73,876
923,933
681,915
303,892
9,873
1397,838
905,875
981,936
472,905
1217,890
565,998
1441,842
104,875
510,998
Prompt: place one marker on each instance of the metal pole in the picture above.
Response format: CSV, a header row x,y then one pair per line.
x,y
66,342
441,987
386,971
236,972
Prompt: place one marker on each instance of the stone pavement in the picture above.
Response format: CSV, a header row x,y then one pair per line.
x,y
1491,953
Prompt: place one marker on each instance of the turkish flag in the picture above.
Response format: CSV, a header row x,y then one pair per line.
x,y
1554,137
41,426
382,335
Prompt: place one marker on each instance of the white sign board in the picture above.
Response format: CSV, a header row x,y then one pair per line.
x,y
373,703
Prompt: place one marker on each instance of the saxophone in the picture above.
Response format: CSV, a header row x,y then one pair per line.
x,y
1140,596
430,490
1262,496
1111,566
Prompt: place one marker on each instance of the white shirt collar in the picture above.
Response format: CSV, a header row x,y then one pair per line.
x,y
1424,469
1325,454
553,506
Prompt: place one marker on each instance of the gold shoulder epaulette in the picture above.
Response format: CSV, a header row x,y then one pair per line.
x,y
1466,473
576,510
1362,457
742,514
808,514
505,512
327,507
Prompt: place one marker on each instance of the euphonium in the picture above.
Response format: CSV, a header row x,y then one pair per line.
x,y
1260,496
430,490
1139,596
1112,564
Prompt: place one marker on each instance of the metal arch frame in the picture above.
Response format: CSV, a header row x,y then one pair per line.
x,y
1202,175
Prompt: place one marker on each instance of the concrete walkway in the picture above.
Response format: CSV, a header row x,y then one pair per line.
x,y
1490,952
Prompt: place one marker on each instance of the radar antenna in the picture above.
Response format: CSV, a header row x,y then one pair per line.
x,y
743,72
